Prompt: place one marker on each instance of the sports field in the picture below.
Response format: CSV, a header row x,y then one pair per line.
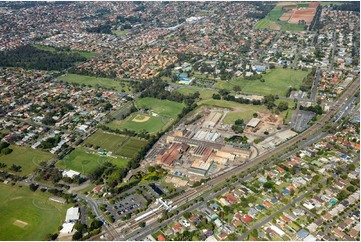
x,y
203,93
151,125
277,82
118,144
27,215
95,81
165,108
272,20
25,157
84,162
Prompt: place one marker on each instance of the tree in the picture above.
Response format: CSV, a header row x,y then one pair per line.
x,y
237,88
77,235
187,215
282,106
142,224
255,115
6,151
33,187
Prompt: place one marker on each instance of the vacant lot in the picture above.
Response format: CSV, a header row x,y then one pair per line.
x,y
25,157
84,162
277,82
292,27
245,112
27,215
118,144
95,81
162,107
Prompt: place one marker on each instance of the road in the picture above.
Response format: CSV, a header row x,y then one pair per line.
x,y
315,86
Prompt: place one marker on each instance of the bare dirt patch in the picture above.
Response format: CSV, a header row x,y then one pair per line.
x,y
20,224
138,119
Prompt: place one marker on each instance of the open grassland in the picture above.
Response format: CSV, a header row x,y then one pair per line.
x,y
36,215
121,32
86,54
302,5
84,162
333,3
292,27
245,112
25,157
263,24
165,108
203,93
152,125
118,144
277,82
95,81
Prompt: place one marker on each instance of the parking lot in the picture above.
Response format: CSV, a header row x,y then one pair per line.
x,y
126,206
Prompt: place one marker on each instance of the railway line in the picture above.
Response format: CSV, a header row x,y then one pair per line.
x,y
196,192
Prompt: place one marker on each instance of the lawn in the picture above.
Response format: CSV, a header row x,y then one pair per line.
x,y
118,144
287,115
277,82
25,157
121,32
165,108
85,162
245,112
152,125
34,208
95,81
203,93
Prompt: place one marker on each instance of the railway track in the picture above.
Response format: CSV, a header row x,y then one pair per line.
x,y
192,194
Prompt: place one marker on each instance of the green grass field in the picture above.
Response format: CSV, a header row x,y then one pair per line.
x,y
34,208
25,157
277,82
204,94
302,5
245,112
329,3
219,103
121,32
95,81
263,24
118,144
165,108
272,19
86,54
83,162
152,125
292,27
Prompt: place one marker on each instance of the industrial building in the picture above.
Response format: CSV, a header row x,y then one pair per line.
x,y
253,122
212,119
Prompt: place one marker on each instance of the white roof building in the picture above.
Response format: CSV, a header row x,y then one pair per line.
x,y
70,173
72,215
67,228
277,230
